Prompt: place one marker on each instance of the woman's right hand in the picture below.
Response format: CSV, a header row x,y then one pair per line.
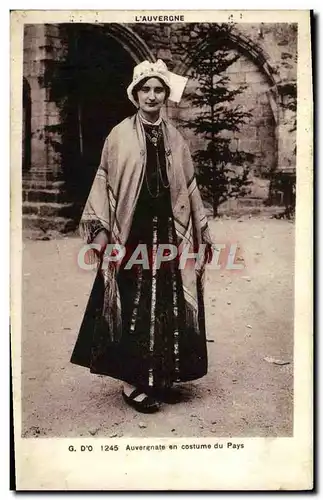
x,y
101,239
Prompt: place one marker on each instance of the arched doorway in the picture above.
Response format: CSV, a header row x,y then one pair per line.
x,y
100,69
253,75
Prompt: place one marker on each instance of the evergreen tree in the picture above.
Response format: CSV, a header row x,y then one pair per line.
x,y
222,171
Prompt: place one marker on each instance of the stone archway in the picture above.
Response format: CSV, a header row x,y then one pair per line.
x,y
130,41
244,45
103,59
253,70
78,94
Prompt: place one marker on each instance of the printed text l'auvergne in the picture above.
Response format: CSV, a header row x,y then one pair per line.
x,y
160,19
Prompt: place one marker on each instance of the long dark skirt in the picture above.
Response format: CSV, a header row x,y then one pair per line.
x,y
157,346
178,353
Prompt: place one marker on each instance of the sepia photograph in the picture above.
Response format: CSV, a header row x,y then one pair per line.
x,y
158,186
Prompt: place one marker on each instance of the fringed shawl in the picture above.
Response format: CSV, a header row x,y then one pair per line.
x,y
112,201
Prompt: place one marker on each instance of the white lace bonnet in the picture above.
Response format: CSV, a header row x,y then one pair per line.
x,y
146,69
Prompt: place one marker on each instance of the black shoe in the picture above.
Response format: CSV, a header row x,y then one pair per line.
x,y
147,405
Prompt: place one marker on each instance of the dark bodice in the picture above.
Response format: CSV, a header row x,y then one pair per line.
x,y
154,198
154,195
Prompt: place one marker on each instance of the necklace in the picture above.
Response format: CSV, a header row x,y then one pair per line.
x,y
154,136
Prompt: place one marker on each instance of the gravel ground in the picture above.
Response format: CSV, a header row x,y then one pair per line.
x,y
249,317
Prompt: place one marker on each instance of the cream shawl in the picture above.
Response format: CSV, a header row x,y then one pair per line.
x,y
114,193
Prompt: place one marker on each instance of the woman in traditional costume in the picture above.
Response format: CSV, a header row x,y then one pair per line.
x,y
144,323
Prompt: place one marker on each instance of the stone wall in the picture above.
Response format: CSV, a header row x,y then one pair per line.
x,y
33,69
267,66
44,195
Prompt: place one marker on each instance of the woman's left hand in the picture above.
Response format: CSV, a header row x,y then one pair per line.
x,y
208,253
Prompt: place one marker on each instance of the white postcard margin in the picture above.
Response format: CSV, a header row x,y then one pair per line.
x,y
263,463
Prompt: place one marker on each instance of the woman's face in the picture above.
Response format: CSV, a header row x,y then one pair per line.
x,y
151,96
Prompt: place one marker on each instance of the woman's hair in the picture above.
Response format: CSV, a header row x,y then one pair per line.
x,y
142,83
